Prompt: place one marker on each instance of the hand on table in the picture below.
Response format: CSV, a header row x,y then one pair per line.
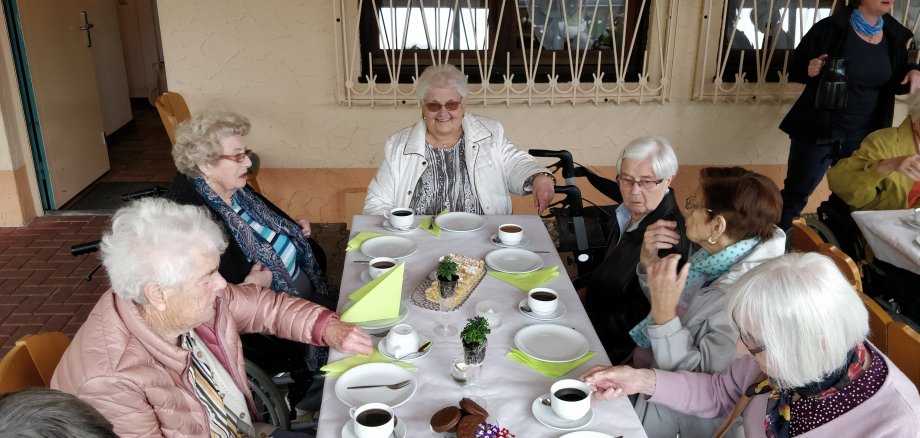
x,y
347,338
543,192
660,235
614,382
305,227
259,276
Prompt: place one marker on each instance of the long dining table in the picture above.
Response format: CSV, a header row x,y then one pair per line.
x,y
891,239
508,386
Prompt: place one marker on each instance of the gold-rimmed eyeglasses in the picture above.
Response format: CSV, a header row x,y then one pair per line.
x,y
754,351
435,107
239,158
691,204
644,184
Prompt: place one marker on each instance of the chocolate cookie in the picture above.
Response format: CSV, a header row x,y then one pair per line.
x,y
468,425
446,419
472,408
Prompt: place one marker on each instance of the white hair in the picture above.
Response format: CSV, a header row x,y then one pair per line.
x,y
155,240
441,76
657,149
803,312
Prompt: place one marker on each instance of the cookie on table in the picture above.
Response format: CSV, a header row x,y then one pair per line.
x,y
468,426
446,419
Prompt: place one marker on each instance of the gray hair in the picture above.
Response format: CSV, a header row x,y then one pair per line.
x,y
659,150
441,76
154,240
804,313
47,413
198,139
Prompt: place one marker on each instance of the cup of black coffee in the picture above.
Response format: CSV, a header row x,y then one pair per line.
x,y
401,218
542,301
510,234
373,420
378,266
570,399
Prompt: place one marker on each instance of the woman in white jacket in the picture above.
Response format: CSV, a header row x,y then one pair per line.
x,y
452,160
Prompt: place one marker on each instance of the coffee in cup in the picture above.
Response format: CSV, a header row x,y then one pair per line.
x,y
400,217
570,399
373,420
377,266
542,301
402,340
510,234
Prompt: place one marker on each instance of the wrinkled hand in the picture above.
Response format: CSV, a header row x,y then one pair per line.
x,y
909,165
815,65
305,227
543,192
614,382
259,276
347,338
665,286
913,77
660,235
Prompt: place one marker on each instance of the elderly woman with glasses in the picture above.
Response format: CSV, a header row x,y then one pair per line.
x,y
454,161
613,299
731,218
805,369
160,354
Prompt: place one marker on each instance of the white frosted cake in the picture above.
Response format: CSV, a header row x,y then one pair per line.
x,y
470,271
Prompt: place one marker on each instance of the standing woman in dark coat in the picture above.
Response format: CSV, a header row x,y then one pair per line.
x,y
874,46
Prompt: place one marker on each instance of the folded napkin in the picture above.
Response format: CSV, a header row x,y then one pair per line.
x,y
340,366
529,280
430,226
355,242
549,369
378,299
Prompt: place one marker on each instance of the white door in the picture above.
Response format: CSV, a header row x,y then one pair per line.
x,y
62,77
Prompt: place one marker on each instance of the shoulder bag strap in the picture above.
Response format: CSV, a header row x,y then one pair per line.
x,y
736,412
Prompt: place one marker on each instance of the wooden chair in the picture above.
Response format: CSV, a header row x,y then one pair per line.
x,y
879,323
904,350
17,371
173,111
46,350
844,262
804,238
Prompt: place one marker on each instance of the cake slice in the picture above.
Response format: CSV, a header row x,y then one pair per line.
x,y
470,271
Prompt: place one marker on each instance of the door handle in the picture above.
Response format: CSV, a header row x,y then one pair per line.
x,y
86,28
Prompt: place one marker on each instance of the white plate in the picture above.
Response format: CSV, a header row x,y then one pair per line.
x,y
348,431
544,414
388,227
561,310
422,339
460,221
366,276
497,242
551,342
514,260
388,246
375,374
386,323
586,434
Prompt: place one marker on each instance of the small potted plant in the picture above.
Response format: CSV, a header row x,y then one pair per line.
x,y
474,340
447,277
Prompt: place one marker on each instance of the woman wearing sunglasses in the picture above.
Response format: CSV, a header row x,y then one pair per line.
x,y
454,161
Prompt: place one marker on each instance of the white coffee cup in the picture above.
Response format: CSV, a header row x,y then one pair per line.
x,y
402,340
510,234
373,420
570,399
542,300
377,266
400,217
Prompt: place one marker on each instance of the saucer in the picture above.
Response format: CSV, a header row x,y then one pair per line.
x,y
366,276
348,431
544,414
413,227
559,313
422,339
495,241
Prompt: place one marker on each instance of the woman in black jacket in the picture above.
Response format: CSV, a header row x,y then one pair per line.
x,y
874,46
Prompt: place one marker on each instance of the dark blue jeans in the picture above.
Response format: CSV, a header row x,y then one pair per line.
x,y
806,167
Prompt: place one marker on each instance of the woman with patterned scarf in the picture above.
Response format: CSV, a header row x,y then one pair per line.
x,y
731,218
805,369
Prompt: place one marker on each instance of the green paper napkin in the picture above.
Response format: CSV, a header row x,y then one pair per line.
x,y
528,281
340,366
355,242
548,369
435,230
378,299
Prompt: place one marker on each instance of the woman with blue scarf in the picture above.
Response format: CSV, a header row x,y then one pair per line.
x,y
731,217
874,47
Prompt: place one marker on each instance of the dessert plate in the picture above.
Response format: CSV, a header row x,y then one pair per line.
x,y
375,374
388,246
348,431
561,310
544,414
460,221
422,340
551,342
378,324
497,242
586,434
514,260
388,227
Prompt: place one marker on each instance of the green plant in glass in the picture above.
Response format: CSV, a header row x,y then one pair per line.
x,y
475,340
447,269
447,286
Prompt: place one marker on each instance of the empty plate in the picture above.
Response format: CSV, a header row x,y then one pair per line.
x,y
514,260
551,342
545,414
388,246
375,374
460,221
389,322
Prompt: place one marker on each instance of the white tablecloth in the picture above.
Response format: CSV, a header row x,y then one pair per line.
x,y
891,240
508,386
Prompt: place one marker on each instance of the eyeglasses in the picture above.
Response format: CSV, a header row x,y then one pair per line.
x,y
644,184
435,107
691,204
239,158
754,350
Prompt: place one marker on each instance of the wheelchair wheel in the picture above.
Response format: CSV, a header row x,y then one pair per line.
x,y
823,230
270,402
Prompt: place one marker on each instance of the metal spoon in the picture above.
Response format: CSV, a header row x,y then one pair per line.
x,y
421,351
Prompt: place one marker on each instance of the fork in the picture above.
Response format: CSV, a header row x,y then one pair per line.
x,y
431,224
399,385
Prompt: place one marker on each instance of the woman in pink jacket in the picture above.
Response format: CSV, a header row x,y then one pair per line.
x,y
807,368
160,354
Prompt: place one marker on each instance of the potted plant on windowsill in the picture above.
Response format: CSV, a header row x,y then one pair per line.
x,y
447,277
474,340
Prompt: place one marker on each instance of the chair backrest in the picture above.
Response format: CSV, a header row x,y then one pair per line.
x,y
17,371
173,111
804,238
46,350
879,319
844,262
904,349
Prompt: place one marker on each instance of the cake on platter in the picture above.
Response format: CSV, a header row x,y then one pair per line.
x,y
470,270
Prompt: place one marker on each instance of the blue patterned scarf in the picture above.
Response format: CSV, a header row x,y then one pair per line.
x,y
864,27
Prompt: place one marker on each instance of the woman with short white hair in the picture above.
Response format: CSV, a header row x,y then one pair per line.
x,y
806,368
160,354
